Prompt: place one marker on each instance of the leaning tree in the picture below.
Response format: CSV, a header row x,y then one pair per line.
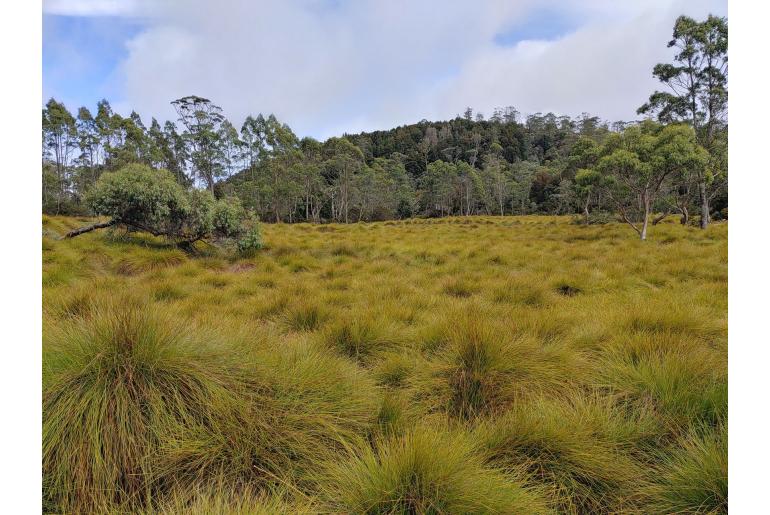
x,y
139,198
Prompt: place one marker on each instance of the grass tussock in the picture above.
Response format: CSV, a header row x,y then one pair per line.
x,y
693,477
484,367
427,470
461,365
134,401
579,448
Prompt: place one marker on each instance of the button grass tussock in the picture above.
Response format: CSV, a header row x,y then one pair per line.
x,y
498,365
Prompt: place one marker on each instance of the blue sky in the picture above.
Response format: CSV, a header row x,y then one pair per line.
x,y
332,66
80,56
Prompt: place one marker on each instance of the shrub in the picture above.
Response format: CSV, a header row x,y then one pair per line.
x,y
426,470
227,216
141,198
251,239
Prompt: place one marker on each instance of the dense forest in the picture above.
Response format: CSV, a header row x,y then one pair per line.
x,y
674,161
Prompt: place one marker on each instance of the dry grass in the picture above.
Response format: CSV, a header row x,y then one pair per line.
x,y
482,365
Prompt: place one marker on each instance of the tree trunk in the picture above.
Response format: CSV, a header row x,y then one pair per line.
x,y
685,216
89,228
585,209
704,204
643,232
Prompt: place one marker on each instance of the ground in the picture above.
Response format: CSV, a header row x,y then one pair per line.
x,y
458,365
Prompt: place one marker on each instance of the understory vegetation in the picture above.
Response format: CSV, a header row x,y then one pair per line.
x,y
479,364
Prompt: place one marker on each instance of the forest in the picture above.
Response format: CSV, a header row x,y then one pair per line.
x,y
672,162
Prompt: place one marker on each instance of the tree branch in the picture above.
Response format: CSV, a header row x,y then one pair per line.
x,y
89,228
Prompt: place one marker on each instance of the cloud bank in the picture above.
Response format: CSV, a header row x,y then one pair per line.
x,y
327,67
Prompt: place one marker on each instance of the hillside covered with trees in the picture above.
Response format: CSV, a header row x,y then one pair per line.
x,y
504,164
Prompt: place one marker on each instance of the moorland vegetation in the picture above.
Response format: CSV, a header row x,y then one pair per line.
x,y
454,365
440,356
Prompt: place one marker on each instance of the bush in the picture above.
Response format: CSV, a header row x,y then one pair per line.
x,y
227,217
251,239
141,198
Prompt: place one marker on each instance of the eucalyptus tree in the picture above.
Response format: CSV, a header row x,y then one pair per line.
x,y
587,186
202,120
343,161
522,177
470,188
636,163
89,141
496,178
308,173
253,139
697,91
232,148
438,188
176,153
59,139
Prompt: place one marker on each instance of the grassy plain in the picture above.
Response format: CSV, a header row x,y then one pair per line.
x,y
460,365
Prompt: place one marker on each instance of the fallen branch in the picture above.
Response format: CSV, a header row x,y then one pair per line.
x,y
89,228
660,218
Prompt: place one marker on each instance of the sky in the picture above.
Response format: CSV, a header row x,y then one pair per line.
x,y
328,67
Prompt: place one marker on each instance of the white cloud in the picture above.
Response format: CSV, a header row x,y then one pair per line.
x,y
92,7
327,66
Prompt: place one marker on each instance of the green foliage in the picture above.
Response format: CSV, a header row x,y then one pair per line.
x,y
141,198
227,217
250,240
455,167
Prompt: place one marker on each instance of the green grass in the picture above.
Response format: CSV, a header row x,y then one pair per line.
x,y
692,478
480,365
427,470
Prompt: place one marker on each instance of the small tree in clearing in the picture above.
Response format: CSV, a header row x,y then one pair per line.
x,y
636,163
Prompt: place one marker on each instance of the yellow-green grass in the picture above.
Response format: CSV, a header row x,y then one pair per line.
x,y
459,365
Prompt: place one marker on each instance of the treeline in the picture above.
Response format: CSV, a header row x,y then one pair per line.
x,y
461,166
506,164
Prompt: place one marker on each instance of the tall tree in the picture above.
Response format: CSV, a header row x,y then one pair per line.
x,y
202,120
344,161
497,181
60,139
697,81
89,142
